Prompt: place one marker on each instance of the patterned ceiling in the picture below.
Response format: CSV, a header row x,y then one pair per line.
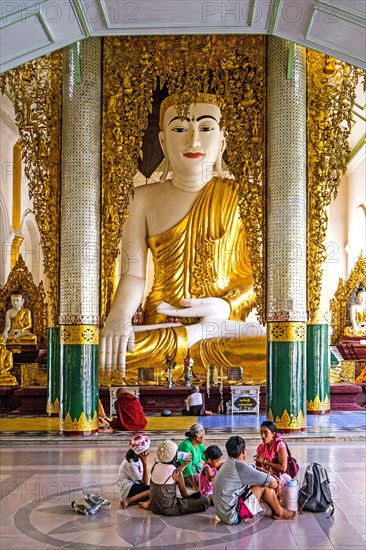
x,y
31,28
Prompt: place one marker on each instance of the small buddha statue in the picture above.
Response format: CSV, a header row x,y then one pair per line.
x,y
18,322
6,364
358,314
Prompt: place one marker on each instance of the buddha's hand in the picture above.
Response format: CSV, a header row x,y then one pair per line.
x,y
115,339
207,309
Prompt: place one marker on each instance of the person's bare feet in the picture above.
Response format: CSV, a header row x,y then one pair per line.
x,y
124,503
145,505
286,514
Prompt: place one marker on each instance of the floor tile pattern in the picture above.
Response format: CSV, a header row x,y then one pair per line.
x,y
38,484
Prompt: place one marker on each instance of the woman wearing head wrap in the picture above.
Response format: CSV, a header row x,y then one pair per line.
x,y
133,474
165,478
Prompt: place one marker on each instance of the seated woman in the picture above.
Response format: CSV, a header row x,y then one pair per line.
x,y
165,479
193,403
193,445
18,322
130,414
272,453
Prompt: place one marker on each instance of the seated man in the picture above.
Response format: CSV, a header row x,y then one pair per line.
x,y
238,488
130,414
193,403
18,322
6,364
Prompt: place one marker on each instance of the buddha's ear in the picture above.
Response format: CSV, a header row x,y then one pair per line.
x,y
162,142
223,141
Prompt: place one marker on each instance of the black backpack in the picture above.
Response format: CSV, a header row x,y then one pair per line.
x,y
315,495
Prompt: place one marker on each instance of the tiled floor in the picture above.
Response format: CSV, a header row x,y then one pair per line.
x,y
39,482
341,425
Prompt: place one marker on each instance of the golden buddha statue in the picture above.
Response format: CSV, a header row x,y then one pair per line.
x,y
6,364
18,322
202,271
358,314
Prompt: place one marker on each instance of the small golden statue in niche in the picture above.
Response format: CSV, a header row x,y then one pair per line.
x,y
6,364
358,314
18,322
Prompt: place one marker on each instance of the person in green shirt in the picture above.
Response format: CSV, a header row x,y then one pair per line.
x,y
194,445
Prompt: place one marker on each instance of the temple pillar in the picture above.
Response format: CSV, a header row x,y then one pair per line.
x,y
286,230
318,357
80,236
53,372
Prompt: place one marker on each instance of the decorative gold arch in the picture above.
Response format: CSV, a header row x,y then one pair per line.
x,y
35,89
232,66
331,95
345,289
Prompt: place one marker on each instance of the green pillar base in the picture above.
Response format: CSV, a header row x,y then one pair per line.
x,y
53,371
286,376
317,369
79,383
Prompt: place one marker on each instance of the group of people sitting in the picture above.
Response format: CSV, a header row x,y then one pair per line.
x,y
235,488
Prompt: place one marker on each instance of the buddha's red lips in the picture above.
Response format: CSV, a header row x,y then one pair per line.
x,y
193,155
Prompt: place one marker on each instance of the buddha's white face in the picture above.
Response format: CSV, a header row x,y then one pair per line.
x,y
193,145
361,298
17,301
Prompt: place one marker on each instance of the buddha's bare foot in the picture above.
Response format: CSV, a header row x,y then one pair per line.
x,y
124,503
145,505
286,514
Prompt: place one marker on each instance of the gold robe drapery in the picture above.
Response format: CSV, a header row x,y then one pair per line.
x,y
204,255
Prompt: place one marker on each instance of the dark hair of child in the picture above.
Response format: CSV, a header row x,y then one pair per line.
x,y
213,452
235,445
131,455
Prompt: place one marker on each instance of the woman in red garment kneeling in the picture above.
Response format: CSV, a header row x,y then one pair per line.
x,y
130,414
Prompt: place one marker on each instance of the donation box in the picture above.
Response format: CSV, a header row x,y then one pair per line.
x,y
245,399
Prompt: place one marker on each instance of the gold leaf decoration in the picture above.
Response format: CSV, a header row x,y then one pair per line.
x,y
231,66
287,332
35,89
84,424
317,405
331,95
290,422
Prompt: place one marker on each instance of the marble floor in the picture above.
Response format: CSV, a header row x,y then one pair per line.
x,y
38,483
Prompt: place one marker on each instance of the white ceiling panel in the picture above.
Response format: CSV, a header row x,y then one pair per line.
x,y
32,28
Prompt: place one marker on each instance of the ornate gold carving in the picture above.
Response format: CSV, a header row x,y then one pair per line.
x,y
34,299
286,332
36,89
234,67
15,249
32,374
52,408
338,304
82,425
79,334
348,371
318,405
290,421
331,95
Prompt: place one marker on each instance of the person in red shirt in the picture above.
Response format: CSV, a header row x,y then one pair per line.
x,y
130,414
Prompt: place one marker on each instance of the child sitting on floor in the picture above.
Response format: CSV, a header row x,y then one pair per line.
x,y
133,473
208,471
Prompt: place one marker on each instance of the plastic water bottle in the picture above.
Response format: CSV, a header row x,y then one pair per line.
x,y
290,494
